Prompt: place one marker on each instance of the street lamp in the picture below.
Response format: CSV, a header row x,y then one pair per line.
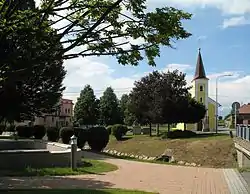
x,y
216,99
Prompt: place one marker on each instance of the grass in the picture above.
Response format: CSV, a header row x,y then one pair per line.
x,y
75,191
245,169
210,151
87,167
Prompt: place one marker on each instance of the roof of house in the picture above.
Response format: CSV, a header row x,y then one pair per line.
x,y
199,71
244,109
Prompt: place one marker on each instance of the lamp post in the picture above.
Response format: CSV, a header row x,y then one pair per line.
x,y
73,151
216,99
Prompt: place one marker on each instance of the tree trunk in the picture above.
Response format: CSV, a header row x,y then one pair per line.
x,y
150,129
185,126
168,127
158,130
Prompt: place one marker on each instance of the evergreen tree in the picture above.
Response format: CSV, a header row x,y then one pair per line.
x,y
110,112
86,108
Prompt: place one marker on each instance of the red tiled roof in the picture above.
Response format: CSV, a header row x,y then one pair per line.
x,y
244,109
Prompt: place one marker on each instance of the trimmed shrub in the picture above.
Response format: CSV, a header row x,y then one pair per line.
x,y
82,136
2,129
98,138
52,134
10,128
66,133
119,131
109,129
176,134
24,131
39,131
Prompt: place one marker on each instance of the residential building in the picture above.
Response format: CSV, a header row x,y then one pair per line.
x,y
244,114
199,91
61,118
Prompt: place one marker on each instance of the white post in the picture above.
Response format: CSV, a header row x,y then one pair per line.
x,y
216,94
73,152
216,109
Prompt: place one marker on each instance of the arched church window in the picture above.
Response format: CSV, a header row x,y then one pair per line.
x,y
201,88
200,99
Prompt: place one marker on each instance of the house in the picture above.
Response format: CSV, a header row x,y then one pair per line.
x,y
244,114
61,118
199,91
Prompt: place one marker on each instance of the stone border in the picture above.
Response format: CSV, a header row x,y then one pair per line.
x,y
146,158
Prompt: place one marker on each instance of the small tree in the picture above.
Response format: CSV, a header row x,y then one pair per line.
x,y
86,109
109,108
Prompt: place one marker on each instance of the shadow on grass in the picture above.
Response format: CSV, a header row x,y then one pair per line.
x,y
126,138
52,183
198,135
82,168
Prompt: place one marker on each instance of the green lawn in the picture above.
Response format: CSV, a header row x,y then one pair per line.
x,y
88,167
211,151
75,191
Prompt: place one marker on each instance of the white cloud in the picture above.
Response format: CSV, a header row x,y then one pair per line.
x,y
235,21
226,6
180,67
82,71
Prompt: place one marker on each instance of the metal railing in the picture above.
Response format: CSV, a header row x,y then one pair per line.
x,y
243,131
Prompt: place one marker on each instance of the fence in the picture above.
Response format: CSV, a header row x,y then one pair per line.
x,y
243,131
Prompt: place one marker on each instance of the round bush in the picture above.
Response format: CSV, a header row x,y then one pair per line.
x,y
52,134
180,134
82,136
2,129
66,133
119,131
10,128
24,131
39,131
109,129
98,138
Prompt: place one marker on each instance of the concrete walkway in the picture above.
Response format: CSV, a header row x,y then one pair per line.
x,y
164,179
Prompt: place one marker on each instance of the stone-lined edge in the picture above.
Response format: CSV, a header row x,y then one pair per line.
x,y
235,182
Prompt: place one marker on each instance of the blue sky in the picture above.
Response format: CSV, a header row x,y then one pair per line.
x,y
220,27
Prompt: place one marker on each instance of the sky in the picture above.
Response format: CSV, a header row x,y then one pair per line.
x,y
219,27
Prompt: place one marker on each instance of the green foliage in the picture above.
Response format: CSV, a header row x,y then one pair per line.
x,y
82,136
119,131
86,108
52,134
109,109
2,129
24,131
155,98
109,129
190,111
32,53
65,134
177,134
31,62
39,131
127,115
91,20
10,128
98,138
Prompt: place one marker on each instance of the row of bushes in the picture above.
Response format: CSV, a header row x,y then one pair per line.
x,y
118,131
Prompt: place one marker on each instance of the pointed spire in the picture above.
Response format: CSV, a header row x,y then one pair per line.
x,y
200,71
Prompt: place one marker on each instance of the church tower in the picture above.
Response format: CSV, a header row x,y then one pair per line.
x,y
200,87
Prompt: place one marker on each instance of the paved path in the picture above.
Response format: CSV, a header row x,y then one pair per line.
x,y
164,179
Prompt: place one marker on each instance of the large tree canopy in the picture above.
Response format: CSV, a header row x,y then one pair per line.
x,y
35,41
164,98
31,68
108,27
86,109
